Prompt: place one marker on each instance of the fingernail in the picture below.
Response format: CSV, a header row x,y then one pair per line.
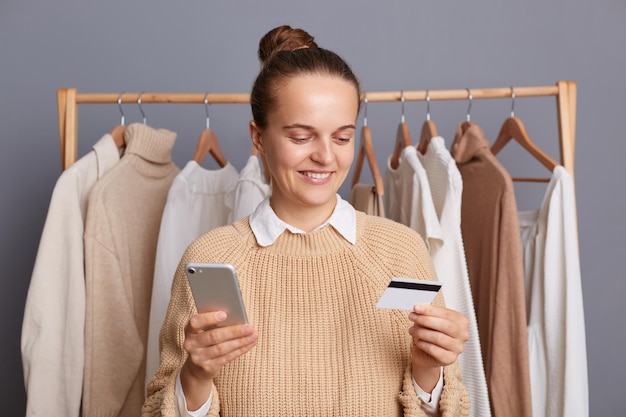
x,y
419,308
412,316
220,315
246,329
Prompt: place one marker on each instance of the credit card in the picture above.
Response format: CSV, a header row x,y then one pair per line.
x,y
404,293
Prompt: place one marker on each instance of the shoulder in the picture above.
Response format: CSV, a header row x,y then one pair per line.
x,y
399,248
222,244
390,239
377,231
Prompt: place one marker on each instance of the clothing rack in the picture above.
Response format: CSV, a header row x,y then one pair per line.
x,y
68,100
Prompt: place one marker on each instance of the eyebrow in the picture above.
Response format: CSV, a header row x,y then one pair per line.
x,y
307,127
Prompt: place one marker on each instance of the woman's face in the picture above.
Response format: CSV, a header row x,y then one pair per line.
x,y
309,143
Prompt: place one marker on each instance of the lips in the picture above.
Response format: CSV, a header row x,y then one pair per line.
x,y
317,175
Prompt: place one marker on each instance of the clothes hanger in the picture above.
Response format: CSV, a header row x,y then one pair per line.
x,y
429,130
143,115
208,143
118,131
468,122
403,138
366,149
513,128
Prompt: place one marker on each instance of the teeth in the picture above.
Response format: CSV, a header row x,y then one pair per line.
x,y
316,175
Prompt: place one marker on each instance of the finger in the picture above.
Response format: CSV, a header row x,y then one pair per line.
x,y
436,311
438,339
203,361
203,321
440,355
229,351
218,335
439,324
223,335
203,353
449,322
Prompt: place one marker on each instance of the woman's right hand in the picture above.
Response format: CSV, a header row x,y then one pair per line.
x,y
209,349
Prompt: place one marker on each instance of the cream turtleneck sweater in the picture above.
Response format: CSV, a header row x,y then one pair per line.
x,y
323,349
121,231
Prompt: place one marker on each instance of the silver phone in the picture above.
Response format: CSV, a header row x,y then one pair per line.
x,y
215,288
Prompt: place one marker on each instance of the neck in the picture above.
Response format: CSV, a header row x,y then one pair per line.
x,y
303,217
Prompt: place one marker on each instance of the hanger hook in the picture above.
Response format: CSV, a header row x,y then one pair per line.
x,y
469,107
402,100
143,115
365,111
119,104
206,109
512,102
427,105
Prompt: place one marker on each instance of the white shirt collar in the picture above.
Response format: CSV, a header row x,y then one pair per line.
x,y
267,227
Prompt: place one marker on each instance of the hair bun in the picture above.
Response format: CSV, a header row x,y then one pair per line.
x,y
283,38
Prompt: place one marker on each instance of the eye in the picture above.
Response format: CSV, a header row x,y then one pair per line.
x,y
344,139
299,139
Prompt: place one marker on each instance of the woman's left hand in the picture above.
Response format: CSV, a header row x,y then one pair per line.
x,y
438,336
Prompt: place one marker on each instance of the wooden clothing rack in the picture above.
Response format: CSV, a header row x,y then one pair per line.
x,y
565,92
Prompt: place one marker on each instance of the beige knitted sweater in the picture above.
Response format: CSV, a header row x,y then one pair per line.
x,y
121,231
324,349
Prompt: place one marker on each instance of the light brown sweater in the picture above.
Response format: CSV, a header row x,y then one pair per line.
x,y
121,231
324,349
491,237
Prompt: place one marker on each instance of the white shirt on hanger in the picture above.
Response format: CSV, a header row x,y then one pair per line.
x,y
53,340
556,323
250,190
408,199
446,186
195,205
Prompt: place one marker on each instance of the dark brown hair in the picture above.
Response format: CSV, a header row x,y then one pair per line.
x,y
285,52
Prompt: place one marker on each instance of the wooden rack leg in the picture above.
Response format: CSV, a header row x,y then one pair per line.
x,y
61,104
70,149
565,126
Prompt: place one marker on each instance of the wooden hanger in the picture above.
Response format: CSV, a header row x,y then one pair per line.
x,y
513,128
403,138
208,143
367,150
118,136
429,130
266,171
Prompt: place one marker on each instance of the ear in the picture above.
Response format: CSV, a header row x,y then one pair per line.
x,y
255,135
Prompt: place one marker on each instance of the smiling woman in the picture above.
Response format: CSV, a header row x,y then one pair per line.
x,y
309,146
310,269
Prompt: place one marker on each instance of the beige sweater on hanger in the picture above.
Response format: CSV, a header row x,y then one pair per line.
x,y
121,231
491,238
324,349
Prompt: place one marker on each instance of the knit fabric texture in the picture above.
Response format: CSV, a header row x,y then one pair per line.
x,y
323,348
490,228
125,209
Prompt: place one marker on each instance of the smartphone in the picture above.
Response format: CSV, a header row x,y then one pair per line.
x,y
215,287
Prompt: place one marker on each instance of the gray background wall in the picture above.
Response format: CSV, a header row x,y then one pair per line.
x,y
198,46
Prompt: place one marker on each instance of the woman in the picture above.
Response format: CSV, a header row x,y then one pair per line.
x,y
311,270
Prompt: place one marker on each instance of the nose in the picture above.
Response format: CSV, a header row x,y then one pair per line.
x,y
323,152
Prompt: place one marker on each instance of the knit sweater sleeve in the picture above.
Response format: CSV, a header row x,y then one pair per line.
x,y
161,397
405,253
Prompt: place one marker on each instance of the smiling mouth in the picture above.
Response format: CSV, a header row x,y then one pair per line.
x,y
317,175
